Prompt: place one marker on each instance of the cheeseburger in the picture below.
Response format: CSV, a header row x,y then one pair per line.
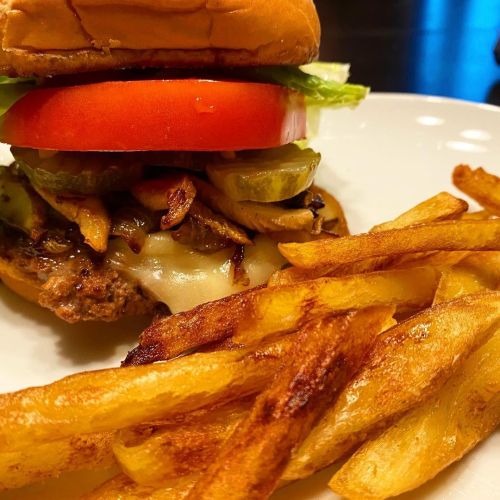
x,y
158,149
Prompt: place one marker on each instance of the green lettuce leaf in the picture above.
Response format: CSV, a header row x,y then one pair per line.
x,y
12,89
323,84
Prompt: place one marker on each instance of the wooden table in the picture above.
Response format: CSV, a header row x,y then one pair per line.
x,y
436,47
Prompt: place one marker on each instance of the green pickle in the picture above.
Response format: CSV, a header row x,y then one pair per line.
x,y
20,206
85,173
265,176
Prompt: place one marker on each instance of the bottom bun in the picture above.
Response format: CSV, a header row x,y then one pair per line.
x,y
19,283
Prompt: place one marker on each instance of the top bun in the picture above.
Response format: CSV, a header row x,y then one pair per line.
x,y
44,37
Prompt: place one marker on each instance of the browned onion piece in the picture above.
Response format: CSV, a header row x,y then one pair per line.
x,y
132,224
218,224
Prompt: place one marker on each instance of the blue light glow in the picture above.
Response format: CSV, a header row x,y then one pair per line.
x,y
465,31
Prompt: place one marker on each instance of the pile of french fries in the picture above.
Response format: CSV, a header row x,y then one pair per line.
x,y
382,348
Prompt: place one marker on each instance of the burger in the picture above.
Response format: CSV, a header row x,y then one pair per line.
x,y
158,149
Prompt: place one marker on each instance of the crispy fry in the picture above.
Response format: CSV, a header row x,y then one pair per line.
x,y
112,399
479,185
440,207
170,336
432,259
431,437
87,211
478,272
122,487
264,312
443,206
173,193
289,307
481,215
449,236
327,352
155,454
81,452
407,365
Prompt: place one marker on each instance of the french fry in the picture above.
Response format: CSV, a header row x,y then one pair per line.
x,y
327,352
121,487
81,452
112,399
408,364
264,312
443,206
478,272
479,185
440,207
448,236
288,308
155,454
87,211
431,259
481,215
432,436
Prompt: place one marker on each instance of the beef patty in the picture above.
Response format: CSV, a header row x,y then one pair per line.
x,y
75,282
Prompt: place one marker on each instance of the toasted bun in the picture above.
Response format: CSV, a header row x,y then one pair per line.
x,y
18,282
43,37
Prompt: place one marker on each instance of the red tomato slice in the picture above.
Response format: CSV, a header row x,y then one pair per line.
x,y
157,115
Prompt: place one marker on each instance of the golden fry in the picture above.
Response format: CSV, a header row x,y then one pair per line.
x,y
478,272
282,309
327,352
81,452
481,215
155,454
112,399
121,487
479,185
440,207
431,437
261,313
448,236
408,364
443,206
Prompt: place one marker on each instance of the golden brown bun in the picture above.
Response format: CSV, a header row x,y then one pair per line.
x,y
18,282
45,37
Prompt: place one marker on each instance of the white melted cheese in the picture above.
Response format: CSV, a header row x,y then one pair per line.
x,y
183,278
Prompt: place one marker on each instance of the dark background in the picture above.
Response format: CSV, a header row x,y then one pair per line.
x,y
436,47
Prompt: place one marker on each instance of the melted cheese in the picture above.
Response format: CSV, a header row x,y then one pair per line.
x,y
183,278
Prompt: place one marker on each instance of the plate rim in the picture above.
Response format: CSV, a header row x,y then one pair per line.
x,y
432,99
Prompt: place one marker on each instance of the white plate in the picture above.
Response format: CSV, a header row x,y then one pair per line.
x,y
383,158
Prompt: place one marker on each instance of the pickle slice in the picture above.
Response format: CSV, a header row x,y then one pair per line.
x,y
20,206
265,176
84,173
